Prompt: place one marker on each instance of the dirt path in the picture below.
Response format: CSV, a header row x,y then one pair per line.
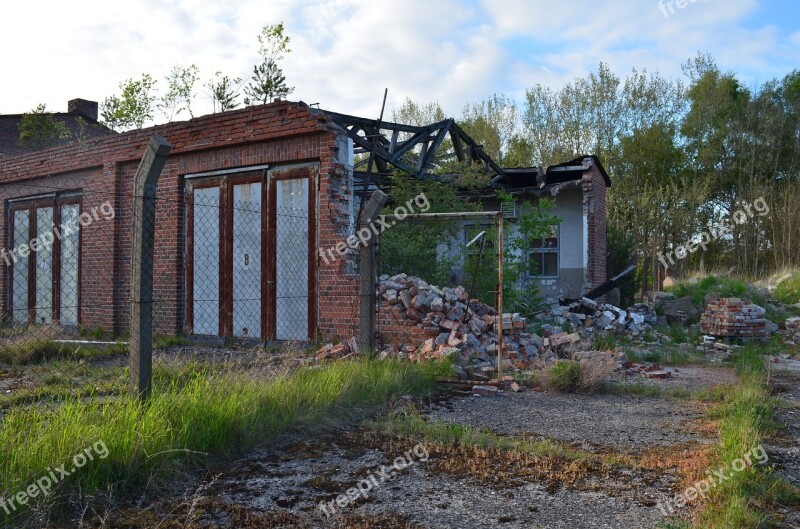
x,y
651,439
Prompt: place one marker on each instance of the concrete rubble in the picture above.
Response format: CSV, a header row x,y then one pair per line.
x,y
419,322
792,335
453,325
589,318
439,323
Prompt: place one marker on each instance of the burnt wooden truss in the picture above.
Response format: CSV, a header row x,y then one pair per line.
x,y
417,150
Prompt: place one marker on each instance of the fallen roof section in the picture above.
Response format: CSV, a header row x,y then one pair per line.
x,y
415,149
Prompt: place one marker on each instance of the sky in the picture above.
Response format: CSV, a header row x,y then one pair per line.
x,y
345,52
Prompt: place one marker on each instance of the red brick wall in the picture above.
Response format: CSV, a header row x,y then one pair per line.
x,y
281,132
338,279
594,205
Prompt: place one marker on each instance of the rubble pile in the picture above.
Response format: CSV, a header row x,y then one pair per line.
x,y
451,325
716,352
589,317
793,330
733,318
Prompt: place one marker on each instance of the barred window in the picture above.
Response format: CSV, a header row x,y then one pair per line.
x,y
43,259
543,255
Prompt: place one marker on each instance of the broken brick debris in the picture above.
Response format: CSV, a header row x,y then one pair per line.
x,y
437,323
733,318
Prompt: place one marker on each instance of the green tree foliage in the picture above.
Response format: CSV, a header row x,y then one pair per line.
x,y
534,222
682,157
38,129
493,124
224,92
133,107
413,113
422,248
621,253
180,91
268,82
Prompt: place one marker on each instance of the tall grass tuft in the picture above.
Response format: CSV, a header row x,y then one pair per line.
x,y
192,414
745,415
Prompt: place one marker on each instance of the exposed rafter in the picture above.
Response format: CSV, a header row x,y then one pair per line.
x,y
410,148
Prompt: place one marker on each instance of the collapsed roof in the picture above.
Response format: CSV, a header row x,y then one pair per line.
x,y
420,149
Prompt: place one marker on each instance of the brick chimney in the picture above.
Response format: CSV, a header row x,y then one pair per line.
x,y
83,107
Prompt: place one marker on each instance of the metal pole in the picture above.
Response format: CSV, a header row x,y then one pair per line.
x,y
467,215
500,297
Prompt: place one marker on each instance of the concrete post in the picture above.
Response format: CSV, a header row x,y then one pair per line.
x,y
142,244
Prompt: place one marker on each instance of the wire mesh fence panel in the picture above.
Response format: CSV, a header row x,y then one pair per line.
x,y
291,260
58,335
229,264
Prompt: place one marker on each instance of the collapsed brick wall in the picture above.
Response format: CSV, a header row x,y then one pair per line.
x,y
278,133
395,328
733,318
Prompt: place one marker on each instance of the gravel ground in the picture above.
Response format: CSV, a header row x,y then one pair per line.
x,y
436,500
462,487
784,452
625,423
694,378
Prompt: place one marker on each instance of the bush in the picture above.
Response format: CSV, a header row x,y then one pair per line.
x,y
725,287
565,375
788,290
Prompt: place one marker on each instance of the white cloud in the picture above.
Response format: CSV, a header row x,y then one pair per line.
x,y
346,51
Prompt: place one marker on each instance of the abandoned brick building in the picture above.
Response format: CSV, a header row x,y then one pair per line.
x,y
245,200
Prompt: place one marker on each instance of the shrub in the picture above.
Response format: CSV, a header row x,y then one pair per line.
x,y
565,375
788,290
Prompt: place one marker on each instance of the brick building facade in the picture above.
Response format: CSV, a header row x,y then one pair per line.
x,y
245,202
261,149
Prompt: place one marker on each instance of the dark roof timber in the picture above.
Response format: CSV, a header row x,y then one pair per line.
x,y
417,151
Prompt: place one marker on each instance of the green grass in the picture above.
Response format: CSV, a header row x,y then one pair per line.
x,y
680,334
565,375
745,415
193,413
788,290
453,434
32,351
726,287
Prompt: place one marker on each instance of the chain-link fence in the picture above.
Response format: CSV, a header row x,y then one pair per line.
x,y
62,332
233,271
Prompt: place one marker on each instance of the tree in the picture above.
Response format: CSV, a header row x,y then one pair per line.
x,y
493,124
412,113
180,91
133,107
268,82
224,92
38,129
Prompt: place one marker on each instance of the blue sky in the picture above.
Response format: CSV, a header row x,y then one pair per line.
x,y
346,51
